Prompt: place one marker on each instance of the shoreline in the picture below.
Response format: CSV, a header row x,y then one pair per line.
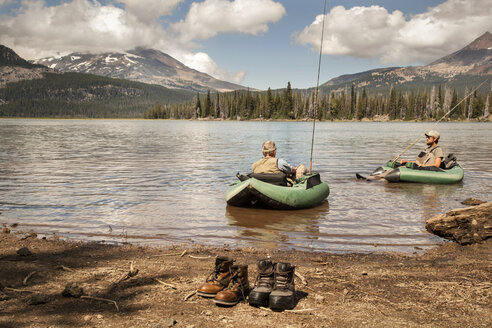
x,y
447,286
364,120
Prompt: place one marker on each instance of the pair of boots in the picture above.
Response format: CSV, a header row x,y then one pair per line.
x,y
274,286
227,284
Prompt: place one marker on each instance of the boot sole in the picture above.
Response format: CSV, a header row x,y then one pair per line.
x,y
259,299
281,303
202,294
221,302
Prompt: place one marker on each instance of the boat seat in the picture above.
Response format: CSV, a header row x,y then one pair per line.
x,y
449,162
278,179
426,168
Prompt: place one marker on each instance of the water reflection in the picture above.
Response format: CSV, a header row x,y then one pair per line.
x,y
272,227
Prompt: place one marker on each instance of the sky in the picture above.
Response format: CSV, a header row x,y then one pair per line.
x,y
255,43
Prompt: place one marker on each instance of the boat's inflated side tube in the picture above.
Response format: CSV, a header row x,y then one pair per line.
x,y
393,176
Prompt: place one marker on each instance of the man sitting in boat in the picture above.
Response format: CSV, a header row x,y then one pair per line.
x,y
270,164
432,155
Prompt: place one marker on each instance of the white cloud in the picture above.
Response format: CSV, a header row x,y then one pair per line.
x,y
149,10
203,63
40,30
5,2
211,17
374,32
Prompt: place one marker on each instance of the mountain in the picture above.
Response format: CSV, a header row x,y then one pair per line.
x,y
14,68
142,65
459,69
33,90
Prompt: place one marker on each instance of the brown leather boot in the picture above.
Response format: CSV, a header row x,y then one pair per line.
x,y
283,295
238,288
218,279
263,284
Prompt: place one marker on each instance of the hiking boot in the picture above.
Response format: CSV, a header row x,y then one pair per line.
x,y
283,295
218,279
263,284
238,288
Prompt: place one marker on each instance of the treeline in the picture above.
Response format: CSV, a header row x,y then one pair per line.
x,y
347,104
83,95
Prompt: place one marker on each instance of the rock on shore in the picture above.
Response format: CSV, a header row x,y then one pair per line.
x,y
463,225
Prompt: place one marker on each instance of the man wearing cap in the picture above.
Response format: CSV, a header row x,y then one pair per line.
x,y
432,155
270,164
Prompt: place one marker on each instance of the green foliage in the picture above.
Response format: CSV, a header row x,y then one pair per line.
x,y
83,95
288,104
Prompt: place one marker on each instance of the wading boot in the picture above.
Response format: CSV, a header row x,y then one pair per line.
x,y
238,288
283,295
218,279
263,285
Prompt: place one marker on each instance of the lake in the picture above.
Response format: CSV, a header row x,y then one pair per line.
x,y
164,182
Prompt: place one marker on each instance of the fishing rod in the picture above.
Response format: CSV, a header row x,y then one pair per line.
x,y
449,112
316,90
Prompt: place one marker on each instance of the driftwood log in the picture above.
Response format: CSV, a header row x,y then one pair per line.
x,y
463,225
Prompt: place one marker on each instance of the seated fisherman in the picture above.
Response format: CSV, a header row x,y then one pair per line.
x,y
432,155
270,164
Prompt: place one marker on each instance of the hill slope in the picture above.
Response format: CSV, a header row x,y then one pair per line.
x,y
28,90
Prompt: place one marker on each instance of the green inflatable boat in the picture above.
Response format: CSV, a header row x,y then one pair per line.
x,y
271,190
425,174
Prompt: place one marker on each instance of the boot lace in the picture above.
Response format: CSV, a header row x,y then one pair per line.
x,y
282,280
236,280
264,280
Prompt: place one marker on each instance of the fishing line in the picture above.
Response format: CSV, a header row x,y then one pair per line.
x,y
449,112
315,110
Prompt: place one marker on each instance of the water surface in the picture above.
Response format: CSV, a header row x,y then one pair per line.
x,y
164,182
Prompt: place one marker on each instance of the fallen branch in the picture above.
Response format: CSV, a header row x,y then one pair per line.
x,y
21,290
303,280
24,282
300,310
64,268
132,273
101,299
165,284
189,295
184,252
168,254
201,257
265,309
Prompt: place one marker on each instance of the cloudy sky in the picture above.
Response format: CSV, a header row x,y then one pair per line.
x,y
257,43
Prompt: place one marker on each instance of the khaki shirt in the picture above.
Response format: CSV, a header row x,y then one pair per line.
x,y
429,156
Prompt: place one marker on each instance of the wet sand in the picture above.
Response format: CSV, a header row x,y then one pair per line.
x,y
448,286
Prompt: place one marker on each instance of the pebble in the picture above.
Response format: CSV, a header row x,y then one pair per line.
x,y
207,313
38,299
319,298
87,318
24,251
100,316
72,290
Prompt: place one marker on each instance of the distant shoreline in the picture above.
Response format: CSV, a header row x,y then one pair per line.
x,y
364,120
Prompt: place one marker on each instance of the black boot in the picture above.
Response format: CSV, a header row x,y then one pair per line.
x,y
263,285
283,295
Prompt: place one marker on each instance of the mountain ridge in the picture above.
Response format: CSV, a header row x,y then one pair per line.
x,y
473,60
140,64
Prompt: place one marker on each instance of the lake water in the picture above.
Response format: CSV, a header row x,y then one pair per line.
x,y
164,182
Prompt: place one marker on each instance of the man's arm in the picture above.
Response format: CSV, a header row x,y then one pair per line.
x,y
285,167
